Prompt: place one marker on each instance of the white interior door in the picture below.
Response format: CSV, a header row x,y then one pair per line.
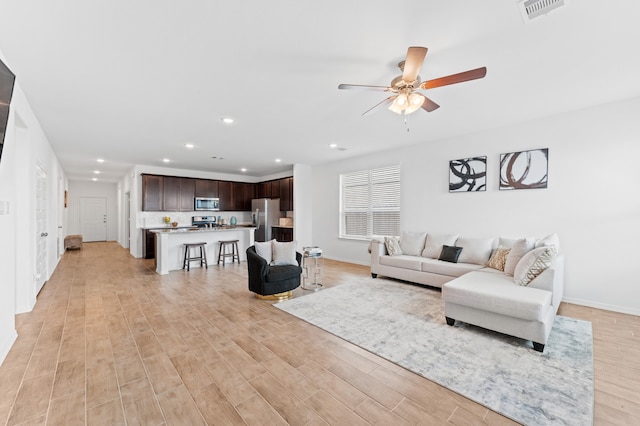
x,y
41,228
93,218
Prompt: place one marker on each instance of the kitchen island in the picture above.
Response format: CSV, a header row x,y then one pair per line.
x,y
170,248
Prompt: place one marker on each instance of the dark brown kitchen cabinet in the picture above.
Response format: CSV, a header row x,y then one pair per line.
x,y
149,244
171,194
275,189
206,188
226,196
263,190
152,190
187,194
282,234
286,194
242,194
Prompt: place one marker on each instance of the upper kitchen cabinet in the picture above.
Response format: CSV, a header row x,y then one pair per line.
x,y
187,194
275,189
286,194
226,196
171,194
206,188
263,190
152,190
167,193
242,193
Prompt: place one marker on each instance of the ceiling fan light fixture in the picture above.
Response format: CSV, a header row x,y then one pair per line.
x,y
399,103
415,102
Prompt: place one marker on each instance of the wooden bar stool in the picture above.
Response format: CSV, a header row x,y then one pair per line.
x,y
223,254
188,258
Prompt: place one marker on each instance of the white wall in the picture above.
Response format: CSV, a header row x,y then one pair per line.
x,y
80,189
25,147
592,200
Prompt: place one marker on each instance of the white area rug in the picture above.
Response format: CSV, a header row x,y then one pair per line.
x,y
405,324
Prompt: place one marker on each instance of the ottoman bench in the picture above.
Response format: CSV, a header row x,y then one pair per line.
x,y
73,242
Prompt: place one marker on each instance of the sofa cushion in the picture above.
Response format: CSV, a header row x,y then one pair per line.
x,y
434,243
450,254
393,246
498,293
550,240
519,249
498,258
402,261
475,250
412,243
533,263
435,266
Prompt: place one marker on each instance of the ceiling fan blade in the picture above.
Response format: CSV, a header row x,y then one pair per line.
x,y
363,87
379,106
428,105
413,63
455,78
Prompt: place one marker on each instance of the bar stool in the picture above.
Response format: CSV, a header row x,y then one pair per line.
x,y
222,251
188,258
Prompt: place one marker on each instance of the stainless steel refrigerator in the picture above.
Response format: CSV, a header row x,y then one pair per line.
x,y
265,214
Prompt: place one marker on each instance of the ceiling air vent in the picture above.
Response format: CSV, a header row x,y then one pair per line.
x,y
531,9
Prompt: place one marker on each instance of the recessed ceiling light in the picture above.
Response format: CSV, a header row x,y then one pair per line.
x,y
243,170
227,120
94,179
333,145
278,160
96,172
188,145
100,160
166,160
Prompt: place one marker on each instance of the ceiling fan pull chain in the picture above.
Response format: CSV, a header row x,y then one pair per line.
x,y
406,121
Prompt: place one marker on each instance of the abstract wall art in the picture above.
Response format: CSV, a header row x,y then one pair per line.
x,y
468,174
524,170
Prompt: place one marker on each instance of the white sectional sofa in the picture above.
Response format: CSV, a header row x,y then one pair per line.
x,y
519,295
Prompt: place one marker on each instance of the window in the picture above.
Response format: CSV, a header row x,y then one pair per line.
x,y
370,203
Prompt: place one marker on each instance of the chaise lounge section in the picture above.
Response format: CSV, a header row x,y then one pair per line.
x,y
519,298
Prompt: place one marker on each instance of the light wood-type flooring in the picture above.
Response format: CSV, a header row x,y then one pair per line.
x,y
111,342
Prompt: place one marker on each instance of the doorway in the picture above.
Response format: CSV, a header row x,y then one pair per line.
x,y
93,218
127,219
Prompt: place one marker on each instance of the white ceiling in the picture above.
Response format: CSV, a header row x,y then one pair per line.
x,y
133,81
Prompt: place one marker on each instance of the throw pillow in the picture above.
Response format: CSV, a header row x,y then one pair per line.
x,y
284,253
476,250
519,249
550,240
263,249
433,246
450,253
532,264
412,243
498,258
393,246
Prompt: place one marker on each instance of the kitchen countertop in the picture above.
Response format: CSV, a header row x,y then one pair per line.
x,y
191,229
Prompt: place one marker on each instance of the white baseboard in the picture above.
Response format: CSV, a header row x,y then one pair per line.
x,y
604,306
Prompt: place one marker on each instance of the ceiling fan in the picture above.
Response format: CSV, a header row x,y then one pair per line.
x,y
406,98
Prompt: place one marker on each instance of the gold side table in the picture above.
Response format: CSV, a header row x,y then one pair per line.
x,y
312,268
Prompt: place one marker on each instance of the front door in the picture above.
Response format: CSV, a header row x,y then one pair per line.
x,y
93,218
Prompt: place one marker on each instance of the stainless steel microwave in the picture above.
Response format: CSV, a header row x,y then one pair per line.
x,y
208,204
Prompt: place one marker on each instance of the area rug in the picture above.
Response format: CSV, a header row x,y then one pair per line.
x,y
405,324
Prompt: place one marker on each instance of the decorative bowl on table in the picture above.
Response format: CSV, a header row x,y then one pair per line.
x,y
174,224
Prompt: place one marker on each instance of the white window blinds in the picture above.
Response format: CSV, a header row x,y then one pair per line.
x,y
370,203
